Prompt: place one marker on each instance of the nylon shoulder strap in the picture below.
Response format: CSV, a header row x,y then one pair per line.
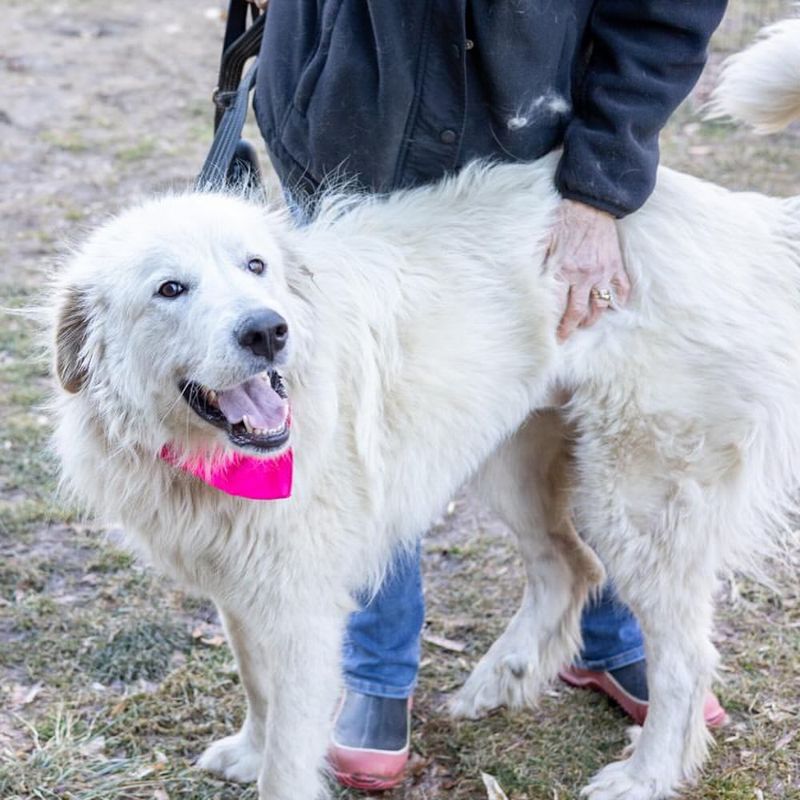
x,y
229,158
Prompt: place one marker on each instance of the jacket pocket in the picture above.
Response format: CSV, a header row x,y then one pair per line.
x,y
316,62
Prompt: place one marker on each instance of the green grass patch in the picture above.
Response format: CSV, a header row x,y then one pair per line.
x,y
69,141
28,473
111,560
140,151
140,651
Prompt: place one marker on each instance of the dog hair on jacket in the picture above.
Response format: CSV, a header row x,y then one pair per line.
x,y
421,353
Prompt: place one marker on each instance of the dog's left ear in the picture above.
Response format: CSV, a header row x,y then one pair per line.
x,y
71,330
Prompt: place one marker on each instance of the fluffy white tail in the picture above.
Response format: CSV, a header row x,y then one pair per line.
x,y
761,85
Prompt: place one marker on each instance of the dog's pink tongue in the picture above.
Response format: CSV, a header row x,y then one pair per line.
x,y
256,400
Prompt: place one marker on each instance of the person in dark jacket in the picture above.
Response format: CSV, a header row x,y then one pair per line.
x,y
392,95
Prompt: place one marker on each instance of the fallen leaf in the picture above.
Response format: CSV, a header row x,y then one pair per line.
x,y
22,695
208,633
142,772
416,765
31,694
784,740
119,707
445,643
93,748
493,789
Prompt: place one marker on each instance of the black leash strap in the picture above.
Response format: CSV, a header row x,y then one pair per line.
x,y
231,160
217,167
234,56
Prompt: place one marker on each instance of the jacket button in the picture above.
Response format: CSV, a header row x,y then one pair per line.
x,y
448,136
469,44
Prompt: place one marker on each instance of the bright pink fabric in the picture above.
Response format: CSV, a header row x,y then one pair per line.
x,y
241,475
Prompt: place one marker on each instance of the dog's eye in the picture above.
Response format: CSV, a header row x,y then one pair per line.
x,y
171,289
256,266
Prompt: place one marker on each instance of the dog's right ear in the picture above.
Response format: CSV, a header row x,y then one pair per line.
x,y
71,330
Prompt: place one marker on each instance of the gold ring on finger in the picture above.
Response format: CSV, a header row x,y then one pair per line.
x,y
601,294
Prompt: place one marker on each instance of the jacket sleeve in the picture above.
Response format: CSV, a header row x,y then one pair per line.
x,y
644,58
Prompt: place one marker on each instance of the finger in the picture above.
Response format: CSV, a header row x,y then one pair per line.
x,y
562,294
552,245
596,309
622,288
576,312
597,305
620,282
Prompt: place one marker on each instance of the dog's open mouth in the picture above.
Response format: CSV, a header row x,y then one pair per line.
x,y
254,414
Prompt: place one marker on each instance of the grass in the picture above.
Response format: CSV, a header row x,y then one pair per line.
x,y
112,681
139,651
141,151
27,471
71,141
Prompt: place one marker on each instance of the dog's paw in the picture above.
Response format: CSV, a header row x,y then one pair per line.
x,y
618,781
234,757
510,680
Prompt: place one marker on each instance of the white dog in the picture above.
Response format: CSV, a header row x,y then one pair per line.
x,y
415,334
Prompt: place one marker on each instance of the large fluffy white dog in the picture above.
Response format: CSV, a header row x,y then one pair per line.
x,y
415,336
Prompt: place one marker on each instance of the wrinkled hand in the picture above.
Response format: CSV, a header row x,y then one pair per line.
x,y
584,254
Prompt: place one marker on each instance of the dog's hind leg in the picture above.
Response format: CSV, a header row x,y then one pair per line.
x,y
673,604
527,483
652,508
239,757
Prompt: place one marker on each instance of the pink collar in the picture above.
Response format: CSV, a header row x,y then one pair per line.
x,y
241,476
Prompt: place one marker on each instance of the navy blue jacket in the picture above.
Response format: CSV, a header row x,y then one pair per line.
x,y
394,93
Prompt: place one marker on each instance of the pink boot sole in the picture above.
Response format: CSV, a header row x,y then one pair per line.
x,y
713,712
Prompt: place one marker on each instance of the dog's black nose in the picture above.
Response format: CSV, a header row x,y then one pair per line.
x,y
265,333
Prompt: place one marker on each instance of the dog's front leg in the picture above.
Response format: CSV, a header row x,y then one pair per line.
x,y
305,653
240,757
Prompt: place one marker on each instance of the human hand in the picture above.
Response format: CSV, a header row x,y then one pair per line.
x,y
259,4
584,253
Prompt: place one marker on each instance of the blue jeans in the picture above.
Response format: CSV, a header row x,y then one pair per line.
x,y
382,645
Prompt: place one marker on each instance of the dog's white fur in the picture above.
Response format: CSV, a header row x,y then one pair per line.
x,y
421,339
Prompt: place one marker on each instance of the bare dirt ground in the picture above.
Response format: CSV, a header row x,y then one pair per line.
x,y
112,680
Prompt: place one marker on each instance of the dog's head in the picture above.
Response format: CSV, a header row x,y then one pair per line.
x,y
174,322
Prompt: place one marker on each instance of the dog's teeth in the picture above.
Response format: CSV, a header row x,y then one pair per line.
x,y
248,426
212,397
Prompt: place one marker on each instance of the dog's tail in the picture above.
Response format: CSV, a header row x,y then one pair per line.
x,y
761,85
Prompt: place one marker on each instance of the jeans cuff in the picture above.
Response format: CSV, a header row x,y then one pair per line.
x,y
614,662
379,689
